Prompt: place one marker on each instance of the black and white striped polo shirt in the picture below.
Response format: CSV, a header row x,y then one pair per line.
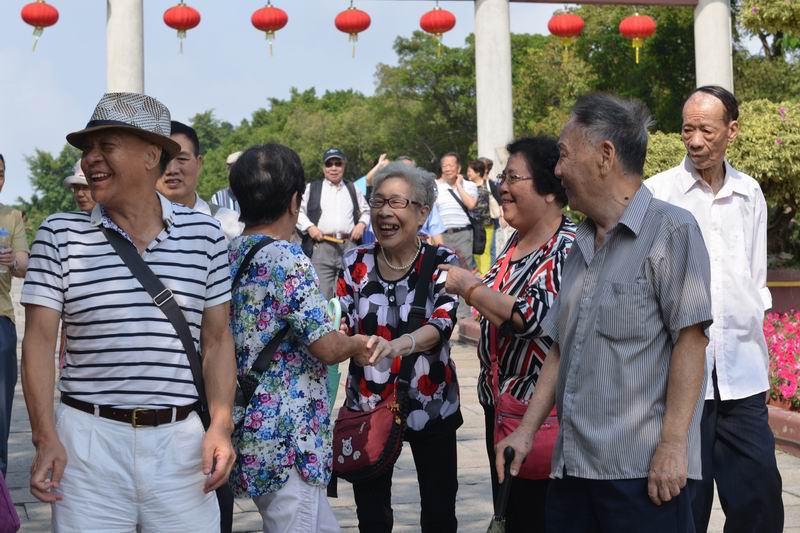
x,y
121,349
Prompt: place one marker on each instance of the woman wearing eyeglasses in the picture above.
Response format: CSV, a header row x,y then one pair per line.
x,y
514,297
376,290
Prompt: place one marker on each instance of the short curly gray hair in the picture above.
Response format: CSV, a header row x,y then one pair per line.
x,y
422,182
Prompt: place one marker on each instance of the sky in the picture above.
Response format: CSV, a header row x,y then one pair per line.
x,y
225,65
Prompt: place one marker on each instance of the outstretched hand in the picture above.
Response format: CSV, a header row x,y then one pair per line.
x,y
458,280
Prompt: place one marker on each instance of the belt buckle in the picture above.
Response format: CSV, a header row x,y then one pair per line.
x,y
135,412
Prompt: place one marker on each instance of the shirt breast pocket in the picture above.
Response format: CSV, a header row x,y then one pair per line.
x,y
625,308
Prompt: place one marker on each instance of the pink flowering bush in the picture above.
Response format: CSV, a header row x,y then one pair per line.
x,y
782,331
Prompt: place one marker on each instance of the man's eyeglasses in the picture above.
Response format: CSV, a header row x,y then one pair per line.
x,y
395,202
511,178
334,163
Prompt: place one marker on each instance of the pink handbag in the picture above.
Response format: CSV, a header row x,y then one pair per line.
x,y
508,411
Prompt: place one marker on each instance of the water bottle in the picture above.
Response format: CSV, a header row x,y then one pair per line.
x,y
5,243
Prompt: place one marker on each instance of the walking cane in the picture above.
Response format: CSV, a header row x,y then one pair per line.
x,y
498,524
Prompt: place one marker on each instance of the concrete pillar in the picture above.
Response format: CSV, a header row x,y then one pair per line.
x,y
493,79
125,46
713,43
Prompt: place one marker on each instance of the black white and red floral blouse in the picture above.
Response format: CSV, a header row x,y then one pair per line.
x,y
372,305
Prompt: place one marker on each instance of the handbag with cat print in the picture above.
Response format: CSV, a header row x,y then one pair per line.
x,y
367,443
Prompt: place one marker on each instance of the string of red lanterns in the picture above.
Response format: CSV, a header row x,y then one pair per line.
x,y
352,21
637,28
181,18
269,19
40,15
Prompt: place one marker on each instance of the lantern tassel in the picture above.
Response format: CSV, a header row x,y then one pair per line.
x,y
270,36
637,44
354,40
181,37
37,32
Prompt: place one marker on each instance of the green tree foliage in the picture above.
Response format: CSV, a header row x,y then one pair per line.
x,y
774,22
666,71
548,81
46,175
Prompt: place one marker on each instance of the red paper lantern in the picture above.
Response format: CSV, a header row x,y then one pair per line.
x,y
182,18
437,21
567,26
269,20
352,21
637,28
40,15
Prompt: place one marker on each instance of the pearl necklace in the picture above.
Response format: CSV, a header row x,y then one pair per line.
x,y
406,266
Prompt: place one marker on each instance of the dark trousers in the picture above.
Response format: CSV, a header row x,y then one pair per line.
x,y
526,502
576,505
739,454
8,380
435,459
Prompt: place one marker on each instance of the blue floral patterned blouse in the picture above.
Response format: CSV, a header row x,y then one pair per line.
x,y
287,424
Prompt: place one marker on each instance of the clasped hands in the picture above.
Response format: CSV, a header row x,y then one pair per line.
x,y
373,348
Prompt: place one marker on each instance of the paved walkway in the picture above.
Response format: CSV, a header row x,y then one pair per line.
x,y
474,505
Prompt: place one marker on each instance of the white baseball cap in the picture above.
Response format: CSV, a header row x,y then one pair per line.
x,y
77,177
233,157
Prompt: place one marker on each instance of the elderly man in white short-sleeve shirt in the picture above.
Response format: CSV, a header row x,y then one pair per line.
x,y
453,196
738,448
125,449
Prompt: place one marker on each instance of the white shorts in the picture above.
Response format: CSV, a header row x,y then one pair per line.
x,y
297,507
119,477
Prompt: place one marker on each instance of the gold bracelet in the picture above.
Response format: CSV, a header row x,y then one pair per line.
x,y
469,292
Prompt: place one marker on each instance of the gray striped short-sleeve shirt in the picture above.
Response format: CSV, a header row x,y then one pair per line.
x,y
619,313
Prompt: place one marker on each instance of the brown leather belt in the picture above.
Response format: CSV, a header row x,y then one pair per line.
x,y
342,236
139,417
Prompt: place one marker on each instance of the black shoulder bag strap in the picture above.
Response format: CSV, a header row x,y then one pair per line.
x,y
462,204
354,198
417,314
248,384
164,300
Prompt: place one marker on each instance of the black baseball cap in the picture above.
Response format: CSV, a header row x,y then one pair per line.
x,y
332,153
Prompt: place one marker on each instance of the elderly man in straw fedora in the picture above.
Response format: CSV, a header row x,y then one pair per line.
x,y
125,448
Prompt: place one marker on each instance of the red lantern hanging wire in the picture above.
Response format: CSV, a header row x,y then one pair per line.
x,y
352,21
182,18
437,22
567,26
40,15
637,28
269,19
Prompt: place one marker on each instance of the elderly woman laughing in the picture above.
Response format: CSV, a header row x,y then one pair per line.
x,y
376,290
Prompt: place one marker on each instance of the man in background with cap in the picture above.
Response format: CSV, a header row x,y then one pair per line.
x,y
179,182
13,262
333,217
80,189
225,197
125,449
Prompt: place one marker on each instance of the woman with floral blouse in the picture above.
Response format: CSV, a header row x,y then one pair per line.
x,y
514,297
283,438
376,290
